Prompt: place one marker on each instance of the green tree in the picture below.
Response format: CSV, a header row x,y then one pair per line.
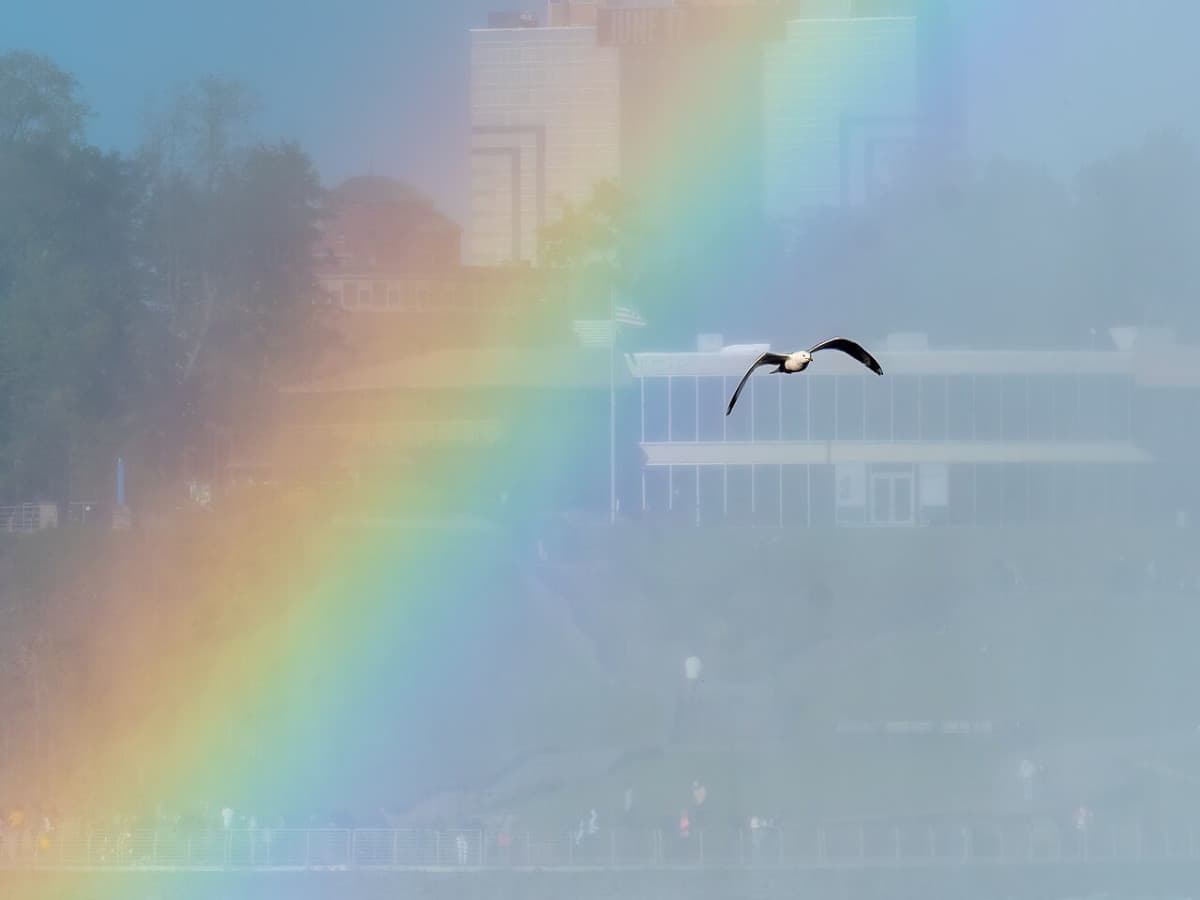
x,y
599,251
582,249
269,207
39,103
987,259
225,244
68,309
189,154
1008,255
1138,216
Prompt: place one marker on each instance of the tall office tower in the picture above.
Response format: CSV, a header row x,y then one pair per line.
x,y
545,128
735,108
943,78
841,103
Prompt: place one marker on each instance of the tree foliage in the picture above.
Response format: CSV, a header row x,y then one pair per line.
x,y
227,232
604,251
140,296
1139,227
1009,255
67,291
39,103
587,249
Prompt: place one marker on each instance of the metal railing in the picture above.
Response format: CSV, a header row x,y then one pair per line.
x,y
844,845
23,518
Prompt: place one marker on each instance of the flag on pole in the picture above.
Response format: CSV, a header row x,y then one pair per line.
x,y
623,315
602,332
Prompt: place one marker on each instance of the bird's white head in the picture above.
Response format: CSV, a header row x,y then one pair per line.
x,y
798,361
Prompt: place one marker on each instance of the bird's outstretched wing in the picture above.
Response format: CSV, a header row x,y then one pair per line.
x,y
767,359
853,349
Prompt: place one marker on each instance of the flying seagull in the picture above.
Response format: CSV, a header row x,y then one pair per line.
x,y
787,363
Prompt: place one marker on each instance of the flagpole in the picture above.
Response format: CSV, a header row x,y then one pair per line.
x,y
612,409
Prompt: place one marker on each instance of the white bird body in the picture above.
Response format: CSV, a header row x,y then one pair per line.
x,y
798,361
791,363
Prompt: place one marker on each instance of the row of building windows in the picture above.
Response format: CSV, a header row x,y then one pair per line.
x,y
573,144
900,407
403,295
583,100
514,48
902,495
530,77
511,116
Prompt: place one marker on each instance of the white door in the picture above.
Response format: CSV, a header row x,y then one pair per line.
x,y
893,497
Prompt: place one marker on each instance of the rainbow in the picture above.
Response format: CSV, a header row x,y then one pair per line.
x,y
295,652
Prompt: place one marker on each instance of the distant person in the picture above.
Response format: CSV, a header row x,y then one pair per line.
x,y
1083,818
1083,825
1027,772
691,673
627,805
699,795
504,840
589,826
462,848
47,829
685,707
757,826
14,822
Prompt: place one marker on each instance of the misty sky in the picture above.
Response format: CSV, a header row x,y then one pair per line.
x,y
381,85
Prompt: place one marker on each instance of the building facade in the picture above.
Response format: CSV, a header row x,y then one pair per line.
x,y
544,129
800,105
954,437
840,106
947,437
383,246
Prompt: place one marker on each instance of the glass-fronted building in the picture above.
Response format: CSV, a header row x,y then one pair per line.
x,y
945,437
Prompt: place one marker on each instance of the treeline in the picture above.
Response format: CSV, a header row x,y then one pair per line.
x,y
1006,254
142,297
986,254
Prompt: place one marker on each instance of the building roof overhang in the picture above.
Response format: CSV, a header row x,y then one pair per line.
x,y
774,453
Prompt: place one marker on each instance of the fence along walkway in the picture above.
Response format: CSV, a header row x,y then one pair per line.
x,y
25,518
852,845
